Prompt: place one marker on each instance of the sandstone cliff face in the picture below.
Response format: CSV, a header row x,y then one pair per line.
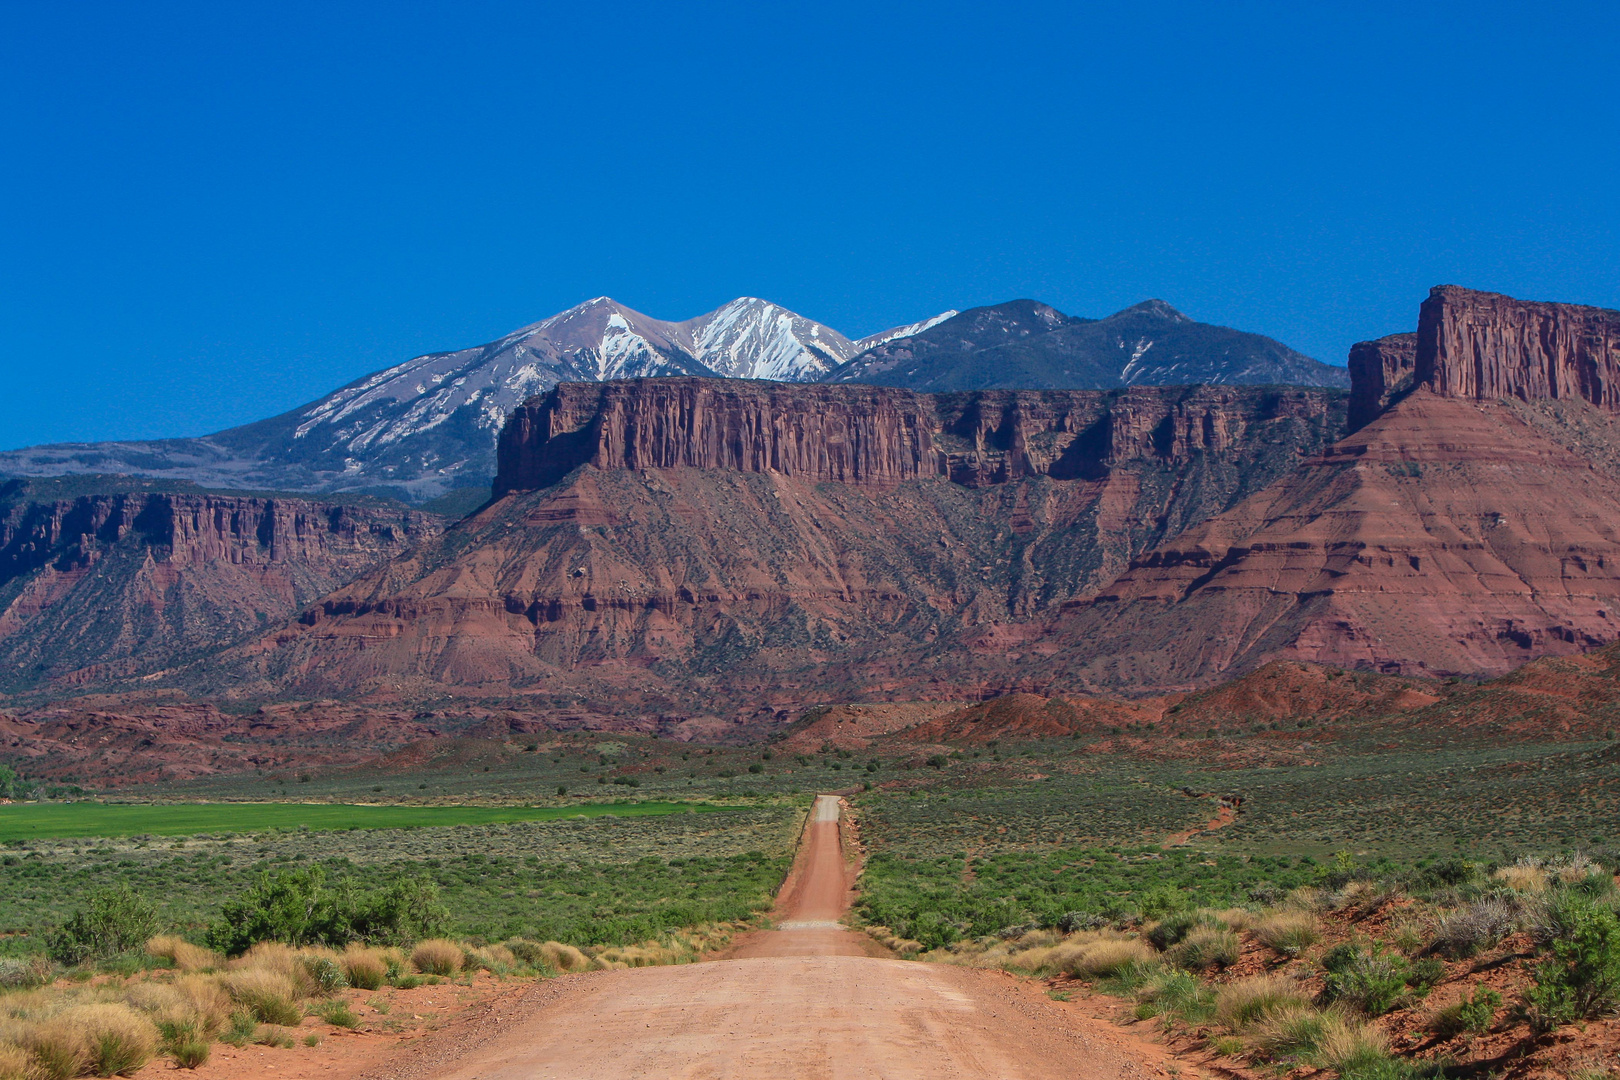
x,y
106,585
870,437
1378,371
1446,537
876,438
696,549
1485,346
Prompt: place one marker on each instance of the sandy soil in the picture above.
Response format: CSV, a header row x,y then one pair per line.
x,y
807,999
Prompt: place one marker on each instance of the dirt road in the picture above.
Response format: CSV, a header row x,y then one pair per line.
x,y
805,1000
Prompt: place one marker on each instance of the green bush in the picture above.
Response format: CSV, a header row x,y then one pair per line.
x,y
1472,1014
1174,928
13,786
117,920
297,907
191,1054
1581,977
338,1014
1372,982
327,975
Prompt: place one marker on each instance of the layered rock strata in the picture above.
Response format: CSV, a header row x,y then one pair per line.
x,y
104,586
671,545
1446,537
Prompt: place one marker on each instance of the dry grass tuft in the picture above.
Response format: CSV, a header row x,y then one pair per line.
x,y
648,954
1289,931
1307,898
890,940
1245,1002
495,958
563,957
281,959
117,1040
437,956
15,1062
57,1047
1208,947
183,954
1101,959
366,969
1524,877
270,995
1350,1045
1289,1031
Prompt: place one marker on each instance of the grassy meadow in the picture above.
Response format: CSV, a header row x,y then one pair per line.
x,y
48,821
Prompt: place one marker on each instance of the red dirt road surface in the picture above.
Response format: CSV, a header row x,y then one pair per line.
x,y
806,1000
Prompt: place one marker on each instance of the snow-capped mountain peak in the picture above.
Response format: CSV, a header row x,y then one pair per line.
x,y
428,425
750,338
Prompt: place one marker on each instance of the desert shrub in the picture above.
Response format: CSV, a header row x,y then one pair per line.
x,y
1480,925
116,920
1174,928
1071,921
1207,947
298,907
326,972
528,953
24,973
1423,974
182,954
1581,977
1370,981
117,1039
1289,931
1444,874
338,1013
1472,1014
15,1063
437,957
1246,1001
365,969
268,995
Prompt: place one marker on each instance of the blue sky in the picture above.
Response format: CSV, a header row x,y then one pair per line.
x,y
212,213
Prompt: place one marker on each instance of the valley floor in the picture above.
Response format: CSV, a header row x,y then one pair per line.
x,y
804,1000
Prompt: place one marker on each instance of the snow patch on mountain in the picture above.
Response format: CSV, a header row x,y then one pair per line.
x,y
902,332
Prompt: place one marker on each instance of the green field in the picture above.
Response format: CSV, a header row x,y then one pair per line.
x,y
59,821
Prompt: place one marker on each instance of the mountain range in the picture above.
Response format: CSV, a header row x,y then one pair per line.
x,y
1029,345
427,427
673,550
676,545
